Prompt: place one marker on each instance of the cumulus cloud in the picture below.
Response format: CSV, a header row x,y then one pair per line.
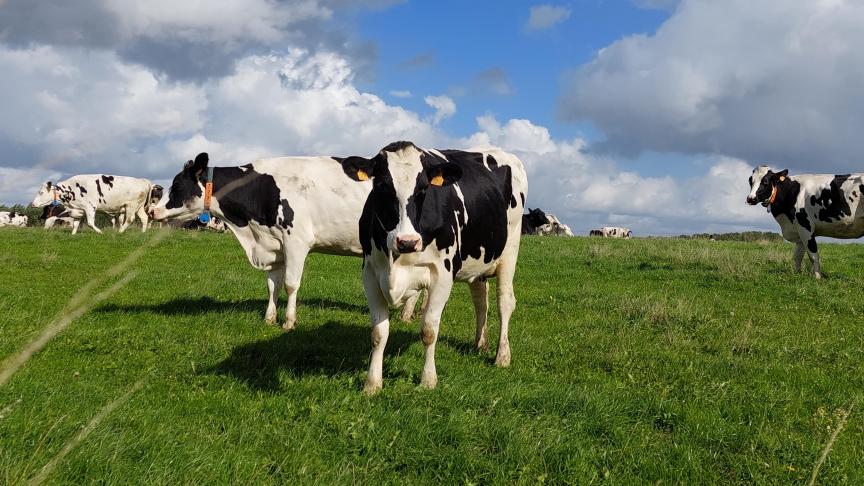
x,y
543,17
444,106
734,78
588,190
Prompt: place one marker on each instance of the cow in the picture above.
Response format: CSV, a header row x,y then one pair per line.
x,y
810,205
12,218
279,209
83,195
553,228
56,213
534,219
615,232
434,217
595,232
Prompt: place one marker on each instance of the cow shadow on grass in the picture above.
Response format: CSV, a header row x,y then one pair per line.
x,y
327,350
208,305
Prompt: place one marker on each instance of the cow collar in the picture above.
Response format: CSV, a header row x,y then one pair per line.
x,y
774,191
208,196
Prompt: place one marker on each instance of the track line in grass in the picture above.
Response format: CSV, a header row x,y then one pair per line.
x,y
48,468
8,408
79,304
830,444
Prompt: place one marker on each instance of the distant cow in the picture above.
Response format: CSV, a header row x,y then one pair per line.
x,y
434,217
54,214
533,220
810,205
12,218
595,233
615,232
553,228
280,209
83,195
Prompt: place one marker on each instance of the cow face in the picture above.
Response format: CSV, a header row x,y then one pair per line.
x,y
156,194
410,193
185,198
45,196
762,184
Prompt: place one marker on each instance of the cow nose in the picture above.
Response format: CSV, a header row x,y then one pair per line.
x,y
751,200
408,244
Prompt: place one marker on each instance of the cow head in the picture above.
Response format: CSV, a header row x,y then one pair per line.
x,y
156,194
537,217
45,196
185,198
763,183
410,188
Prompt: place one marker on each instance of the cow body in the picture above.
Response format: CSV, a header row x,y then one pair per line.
x,y
615,232
432,218
53,214
12,218
280,210
84,195
810,205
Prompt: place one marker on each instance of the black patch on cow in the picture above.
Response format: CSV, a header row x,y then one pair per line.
x,y
381,211
831,201
787,196
522,198
803,220
493,164
397,146
81,189
287,219
447,264
811,244
109,180
99,189
51,211
256,198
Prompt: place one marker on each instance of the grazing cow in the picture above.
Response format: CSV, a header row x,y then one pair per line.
x,y
615,232
280,209
83,195
11,218
554,228
810,205
434,217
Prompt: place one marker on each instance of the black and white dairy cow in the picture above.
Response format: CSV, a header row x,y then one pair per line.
x,y
83,195
12,218
280,209
434,217
810,205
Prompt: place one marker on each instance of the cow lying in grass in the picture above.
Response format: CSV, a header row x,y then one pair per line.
x,y
810,205
280,209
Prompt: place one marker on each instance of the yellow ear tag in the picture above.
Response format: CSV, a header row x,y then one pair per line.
x,y
362,175
782,178
438,180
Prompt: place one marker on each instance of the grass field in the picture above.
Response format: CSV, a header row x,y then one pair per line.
x,y
633,362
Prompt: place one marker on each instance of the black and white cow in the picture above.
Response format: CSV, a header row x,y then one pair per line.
x,y
434,217
532,220
280,209
53,214
810,205
615,232
12,218
83,195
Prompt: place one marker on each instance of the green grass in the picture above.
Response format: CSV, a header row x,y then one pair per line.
x,y
633,362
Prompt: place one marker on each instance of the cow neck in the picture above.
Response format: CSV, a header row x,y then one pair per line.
x,y
784,194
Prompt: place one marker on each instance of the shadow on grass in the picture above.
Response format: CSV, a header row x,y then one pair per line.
x,y
207,305
327,350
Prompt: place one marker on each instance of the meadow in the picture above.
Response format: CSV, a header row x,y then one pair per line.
x,y
640,361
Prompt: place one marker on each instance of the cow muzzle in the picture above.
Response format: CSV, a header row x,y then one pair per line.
x,y
751,200
408,243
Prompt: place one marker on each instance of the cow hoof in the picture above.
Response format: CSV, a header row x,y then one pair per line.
x,y
429,382
502,360
481,346
270,321
372,388
818,276
289,326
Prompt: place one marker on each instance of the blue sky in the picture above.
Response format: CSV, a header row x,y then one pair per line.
x,y
650,118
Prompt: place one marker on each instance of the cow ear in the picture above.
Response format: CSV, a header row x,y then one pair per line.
x,y
782,174
48,184
200,164
443,174
358,168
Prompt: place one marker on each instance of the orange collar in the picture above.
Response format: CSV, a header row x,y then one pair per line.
x,y
774,191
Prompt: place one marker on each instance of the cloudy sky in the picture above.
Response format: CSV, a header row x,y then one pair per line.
x,y
643,113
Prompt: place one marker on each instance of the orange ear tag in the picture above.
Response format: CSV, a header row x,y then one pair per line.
x,y
782,178
362,175
438,180
208,194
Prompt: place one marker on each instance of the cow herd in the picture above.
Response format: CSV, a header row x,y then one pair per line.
x,y
421,219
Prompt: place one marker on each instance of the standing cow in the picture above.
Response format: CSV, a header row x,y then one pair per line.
x,y
434,217
810,205
280,209
83,195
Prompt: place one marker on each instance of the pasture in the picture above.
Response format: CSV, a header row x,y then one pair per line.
x,y
634,361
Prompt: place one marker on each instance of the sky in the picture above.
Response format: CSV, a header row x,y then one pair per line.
x,y
648,114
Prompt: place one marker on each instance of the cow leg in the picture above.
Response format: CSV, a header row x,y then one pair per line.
x,y
91,219
142,215
126,218
275,279
439,292
113,222
295,259
380,320
809,239
480,296
75,224
506,300
408,309
799,255
49,223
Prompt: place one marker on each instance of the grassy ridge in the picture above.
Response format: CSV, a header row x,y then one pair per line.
x,y
633,361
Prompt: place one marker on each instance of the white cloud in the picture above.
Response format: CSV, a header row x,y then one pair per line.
x,y
21,185
587,190
444,107
543,17
774,81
